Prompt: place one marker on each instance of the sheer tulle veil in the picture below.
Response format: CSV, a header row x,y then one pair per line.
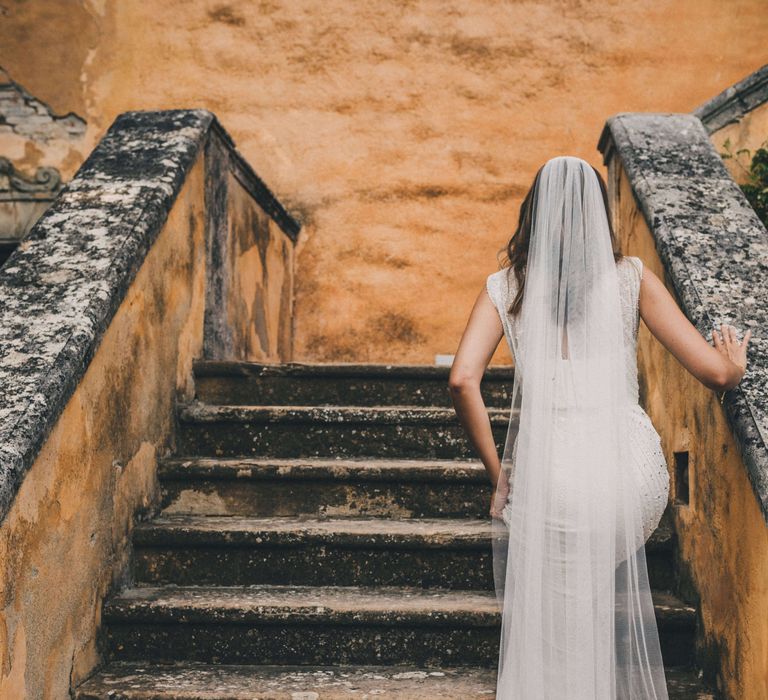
x,y
568,554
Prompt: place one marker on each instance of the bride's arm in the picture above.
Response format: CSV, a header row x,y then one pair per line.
x,y
718,368
478,342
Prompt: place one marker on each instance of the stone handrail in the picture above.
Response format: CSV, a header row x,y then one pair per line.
x,y
714,249
60,289
735,101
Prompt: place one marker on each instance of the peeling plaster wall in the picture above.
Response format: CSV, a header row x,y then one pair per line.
x,y
722,533
404,134
32,135
64,542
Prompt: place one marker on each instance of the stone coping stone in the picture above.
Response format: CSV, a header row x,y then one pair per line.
x,y
61,287
714,249
735,101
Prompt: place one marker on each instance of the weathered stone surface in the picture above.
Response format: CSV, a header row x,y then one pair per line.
x,y
338,488
316,468
61,288
735,101
304,604
345,384
385,488
427,533
714,249
425,552
422,552
385,589
242,682
197,681
345,624
250,260
299,624
59,291
38,142
291,431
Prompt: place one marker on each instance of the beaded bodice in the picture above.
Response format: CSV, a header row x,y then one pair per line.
x,y
502,287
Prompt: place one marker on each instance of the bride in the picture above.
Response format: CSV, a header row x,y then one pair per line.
x,y
582,481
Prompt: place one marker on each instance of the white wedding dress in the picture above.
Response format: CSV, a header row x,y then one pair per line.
x,y
648,464
588,482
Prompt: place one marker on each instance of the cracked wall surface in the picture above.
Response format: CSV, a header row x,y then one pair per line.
x,y
34,144
404,134
25,116
33,136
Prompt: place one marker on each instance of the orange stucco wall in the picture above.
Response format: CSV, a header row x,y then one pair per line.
x,y
750,132
722,533
63,544
97,468
260,274
403,133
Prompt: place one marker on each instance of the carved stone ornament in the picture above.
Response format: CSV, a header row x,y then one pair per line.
x,y
46,181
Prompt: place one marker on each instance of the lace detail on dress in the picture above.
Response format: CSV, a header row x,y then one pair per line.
x,y
648,461
651,471
499,288
630,272
502,288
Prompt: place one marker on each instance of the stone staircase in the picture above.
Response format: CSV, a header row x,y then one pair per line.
x,y
324,534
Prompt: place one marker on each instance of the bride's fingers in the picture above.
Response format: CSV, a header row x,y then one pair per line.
x,y
741,344
716,339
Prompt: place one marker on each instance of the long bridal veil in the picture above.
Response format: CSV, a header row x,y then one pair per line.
x,y
569,559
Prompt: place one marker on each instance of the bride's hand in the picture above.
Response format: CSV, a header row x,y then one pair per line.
x,y
728,346
499,497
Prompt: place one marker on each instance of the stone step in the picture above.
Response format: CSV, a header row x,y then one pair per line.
x,y
345,384
428,553
200,681
327,431
423,552
330,625
314,486
385,488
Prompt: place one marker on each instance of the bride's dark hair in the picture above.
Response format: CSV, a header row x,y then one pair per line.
x,y
517,248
